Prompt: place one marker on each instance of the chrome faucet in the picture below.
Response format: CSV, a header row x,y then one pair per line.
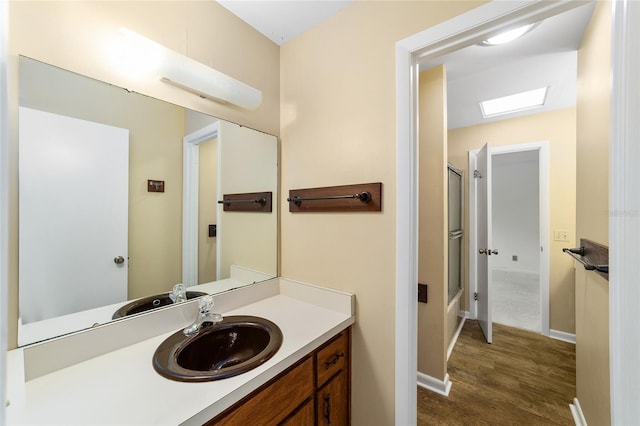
x,y
205,314
178,294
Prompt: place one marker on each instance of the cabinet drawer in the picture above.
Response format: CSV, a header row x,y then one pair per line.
x,y
274,403
332,358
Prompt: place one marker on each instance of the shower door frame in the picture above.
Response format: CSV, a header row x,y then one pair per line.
x,y
461,236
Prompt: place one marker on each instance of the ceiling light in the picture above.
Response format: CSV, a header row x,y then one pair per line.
x,y
186,73
507,36
514,103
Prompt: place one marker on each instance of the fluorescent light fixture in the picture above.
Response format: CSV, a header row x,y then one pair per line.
x,y
188,74
509,35
514,103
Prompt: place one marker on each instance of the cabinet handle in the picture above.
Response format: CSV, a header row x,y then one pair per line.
x,y
333,360
327,408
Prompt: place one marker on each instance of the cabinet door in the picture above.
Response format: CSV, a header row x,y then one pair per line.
x,y
333,402
302,417
273,404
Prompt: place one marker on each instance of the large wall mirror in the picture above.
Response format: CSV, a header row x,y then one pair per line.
x,y
104,184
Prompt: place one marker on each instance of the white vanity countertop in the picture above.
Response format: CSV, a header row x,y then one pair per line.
x,y
122,388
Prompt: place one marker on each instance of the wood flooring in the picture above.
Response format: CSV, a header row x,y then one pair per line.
x,y
522,378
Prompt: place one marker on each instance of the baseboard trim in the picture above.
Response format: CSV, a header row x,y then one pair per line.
x,y
441,387
454,339
561,335
576,412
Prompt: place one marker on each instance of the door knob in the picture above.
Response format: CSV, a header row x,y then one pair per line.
x,y
482,251
118,260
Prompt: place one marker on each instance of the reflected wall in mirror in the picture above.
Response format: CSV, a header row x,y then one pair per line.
x,y
93,235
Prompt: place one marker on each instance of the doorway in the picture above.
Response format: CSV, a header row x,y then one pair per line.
x,y
516,271
517,291
516,276
449,36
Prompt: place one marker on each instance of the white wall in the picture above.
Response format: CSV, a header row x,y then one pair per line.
x,y
515,211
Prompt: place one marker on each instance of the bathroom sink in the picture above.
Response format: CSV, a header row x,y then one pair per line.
x,y
151,302
225,349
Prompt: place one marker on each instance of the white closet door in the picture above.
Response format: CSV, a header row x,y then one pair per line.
x,y
74,185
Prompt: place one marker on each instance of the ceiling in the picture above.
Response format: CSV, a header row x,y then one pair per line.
x,y
546,56
281,21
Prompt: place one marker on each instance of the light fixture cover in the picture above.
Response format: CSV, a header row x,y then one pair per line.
x,y
508,36
514,103
191,75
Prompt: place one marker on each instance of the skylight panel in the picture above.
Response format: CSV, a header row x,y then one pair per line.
x,y
514,103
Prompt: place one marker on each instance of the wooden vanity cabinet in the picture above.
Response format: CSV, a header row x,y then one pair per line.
x,y
332,381
314,392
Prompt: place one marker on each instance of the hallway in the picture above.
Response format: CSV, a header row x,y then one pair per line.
x,y
523,378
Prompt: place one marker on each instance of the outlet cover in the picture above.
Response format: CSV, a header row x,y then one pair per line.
x,y
560,235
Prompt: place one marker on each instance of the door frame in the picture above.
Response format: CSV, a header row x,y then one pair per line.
x,y
470,28
624,213
190,200
542,148
4,205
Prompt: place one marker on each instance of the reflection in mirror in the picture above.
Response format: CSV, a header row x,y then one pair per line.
x,y
101,201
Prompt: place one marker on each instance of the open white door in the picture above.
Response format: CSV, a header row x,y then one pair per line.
x,y
482,176
74,186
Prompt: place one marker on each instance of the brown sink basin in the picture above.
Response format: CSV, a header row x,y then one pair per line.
x,y
151,302
234,346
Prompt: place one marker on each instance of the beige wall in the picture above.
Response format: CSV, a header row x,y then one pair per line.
x,y
338,127
559,129
248,162
594,85
592,346
78,36
432,222
592,190
75,35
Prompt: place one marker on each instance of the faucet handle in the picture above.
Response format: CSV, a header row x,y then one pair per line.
x,y
205,304
179,293
205,314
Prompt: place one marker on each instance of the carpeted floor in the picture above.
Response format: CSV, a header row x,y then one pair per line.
x,y
515,297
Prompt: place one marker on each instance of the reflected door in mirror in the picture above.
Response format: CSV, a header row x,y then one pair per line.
x,y
73,214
